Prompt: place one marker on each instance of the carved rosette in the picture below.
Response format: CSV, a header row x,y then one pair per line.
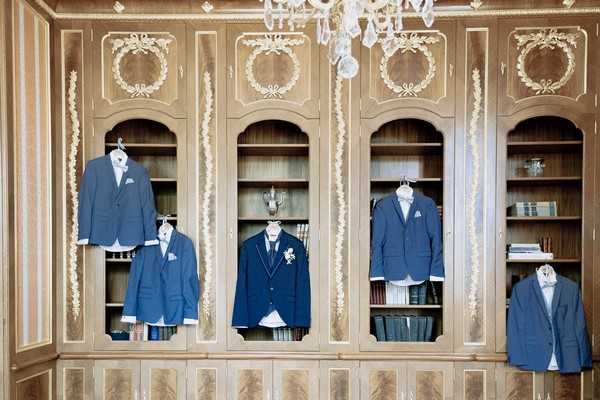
x,y
546,39
278,45
408,43
140,44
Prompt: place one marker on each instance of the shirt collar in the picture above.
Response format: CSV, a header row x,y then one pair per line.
x,y
166,235
121,162
546,280
267,244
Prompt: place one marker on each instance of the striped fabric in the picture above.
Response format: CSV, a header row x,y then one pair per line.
x,y
33,178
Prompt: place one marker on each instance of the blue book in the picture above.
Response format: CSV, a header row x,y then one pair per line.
x,y
153,333
389,329
379,328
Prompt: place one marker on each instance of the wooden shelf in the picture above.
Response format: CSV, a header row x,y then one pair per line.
x,y
287,182
546,146
266,218
543,219
163,180
273,149
528,180
405,306
397,180
391,149
146,148
555,261
119,260
114,305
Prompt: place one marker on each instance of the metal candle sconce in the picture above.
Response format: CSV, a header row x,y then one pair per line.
x,y
274,200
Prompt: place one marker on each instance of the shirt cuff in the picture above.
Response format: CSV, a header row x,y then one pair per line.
x,y
240,327
436,278
151,242
83,241
378,278
189,321
132,319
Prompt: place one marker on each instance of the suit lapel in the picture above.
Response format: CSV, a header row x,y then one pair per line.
x,y
398,208
555,298
412,209
165,257
538,293
262,253
111,172
283,244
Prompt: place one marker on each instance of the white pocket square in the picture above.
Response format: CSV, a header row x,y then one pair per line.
x,y
172,257
129,180
418,214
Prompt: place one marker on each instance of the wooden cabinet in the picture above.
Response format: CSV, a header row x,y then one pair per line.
x,y
75,379
163,380
207,380
138,68
474,381
406,380
249,380
340,380
513,384
415,71
117,380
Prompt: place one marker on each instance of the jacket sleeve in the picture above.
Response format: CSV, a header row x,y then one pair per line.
x,y
434,229
240,305
86,204
517,355
302,307
190,285
133,284
148,210
377,243
582,334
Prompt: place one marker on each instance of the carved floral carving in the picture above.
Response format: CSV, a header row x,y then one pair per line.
x,y
136,44
546,39
408,43
272,44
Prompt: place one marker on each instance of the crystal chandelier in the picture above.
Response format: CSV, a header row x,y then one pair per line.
x,y
338,23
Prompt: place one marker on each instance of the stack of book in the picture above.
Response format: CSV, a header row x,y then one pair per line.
x,y
533,209
289,334
527,251
395,294
403,328
378,292
141,332
302,233
386,293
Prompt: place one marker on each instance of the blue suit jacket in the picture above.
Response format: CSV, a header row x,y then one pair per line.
x,y
529,329
286,286
164,286
108,211
402,247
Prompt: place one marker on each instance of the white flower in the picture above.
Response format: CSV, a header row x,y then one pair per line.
x,y
289,255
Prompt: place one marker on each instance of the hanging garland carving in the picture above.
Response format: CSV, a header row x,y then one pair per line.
x,y
408,43
136,44
546,39
72,171
272,44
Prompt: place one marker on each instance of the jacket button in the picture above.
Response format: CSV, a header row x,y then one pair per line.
x,y
271,289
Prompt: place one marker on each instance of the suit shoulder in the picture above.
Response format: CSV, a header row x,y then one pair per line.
x,y
523,284
252,239
426,200
385,201
293,239
137,167
96,162
568,283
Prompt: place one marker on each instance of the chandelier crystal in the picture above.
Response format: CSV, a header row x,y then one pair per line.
x,y
338,23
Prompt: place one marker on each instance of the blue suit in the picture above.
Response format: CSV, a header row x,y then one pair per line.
x,y
531,333
285,287
107,211
164,286
402,247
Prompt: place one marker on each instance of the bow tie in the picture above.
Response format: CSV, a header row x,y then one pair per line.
x,y
116,164
408,200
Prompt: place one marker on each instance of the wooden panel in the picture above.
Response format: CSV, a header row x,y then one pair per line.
x,y
339,380
417,70
272,70
514,384
164,380
32,228
382,380
117,380
249,380
206,380
139,68
72,76
74,383
430,381
596,372
75,380
474,381
296,380
38,386
564,386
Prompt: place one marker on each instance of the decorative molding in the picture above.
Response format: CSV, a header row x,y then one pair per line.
x,y
473,191
476,4
140,43
408,43
340,196
207,193
546,39
72,171
272,44
568,3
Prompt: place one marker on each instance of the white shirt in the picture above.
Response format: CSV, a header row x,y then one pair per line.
x,y
547,285
118,170
405,204
164,237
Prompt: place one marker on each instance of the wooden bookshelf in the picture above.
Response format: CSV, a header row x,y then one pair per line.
x,y
560,144
271,153
411,148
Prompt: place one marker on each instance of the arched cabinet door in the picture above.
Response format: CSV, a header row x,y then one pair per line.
x,y
415,70
137,67
545,61
272,70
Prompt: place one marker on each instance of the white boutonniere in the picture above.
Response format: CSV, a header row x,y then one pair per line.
x,y
289,255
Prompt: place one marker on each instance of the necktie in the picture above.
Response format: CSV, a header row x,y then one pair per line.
x,y
272,253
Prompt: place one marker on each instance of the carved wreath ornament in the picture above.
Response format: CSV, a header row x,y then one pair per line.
x,y
272,44
136,44
408,43
546,39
